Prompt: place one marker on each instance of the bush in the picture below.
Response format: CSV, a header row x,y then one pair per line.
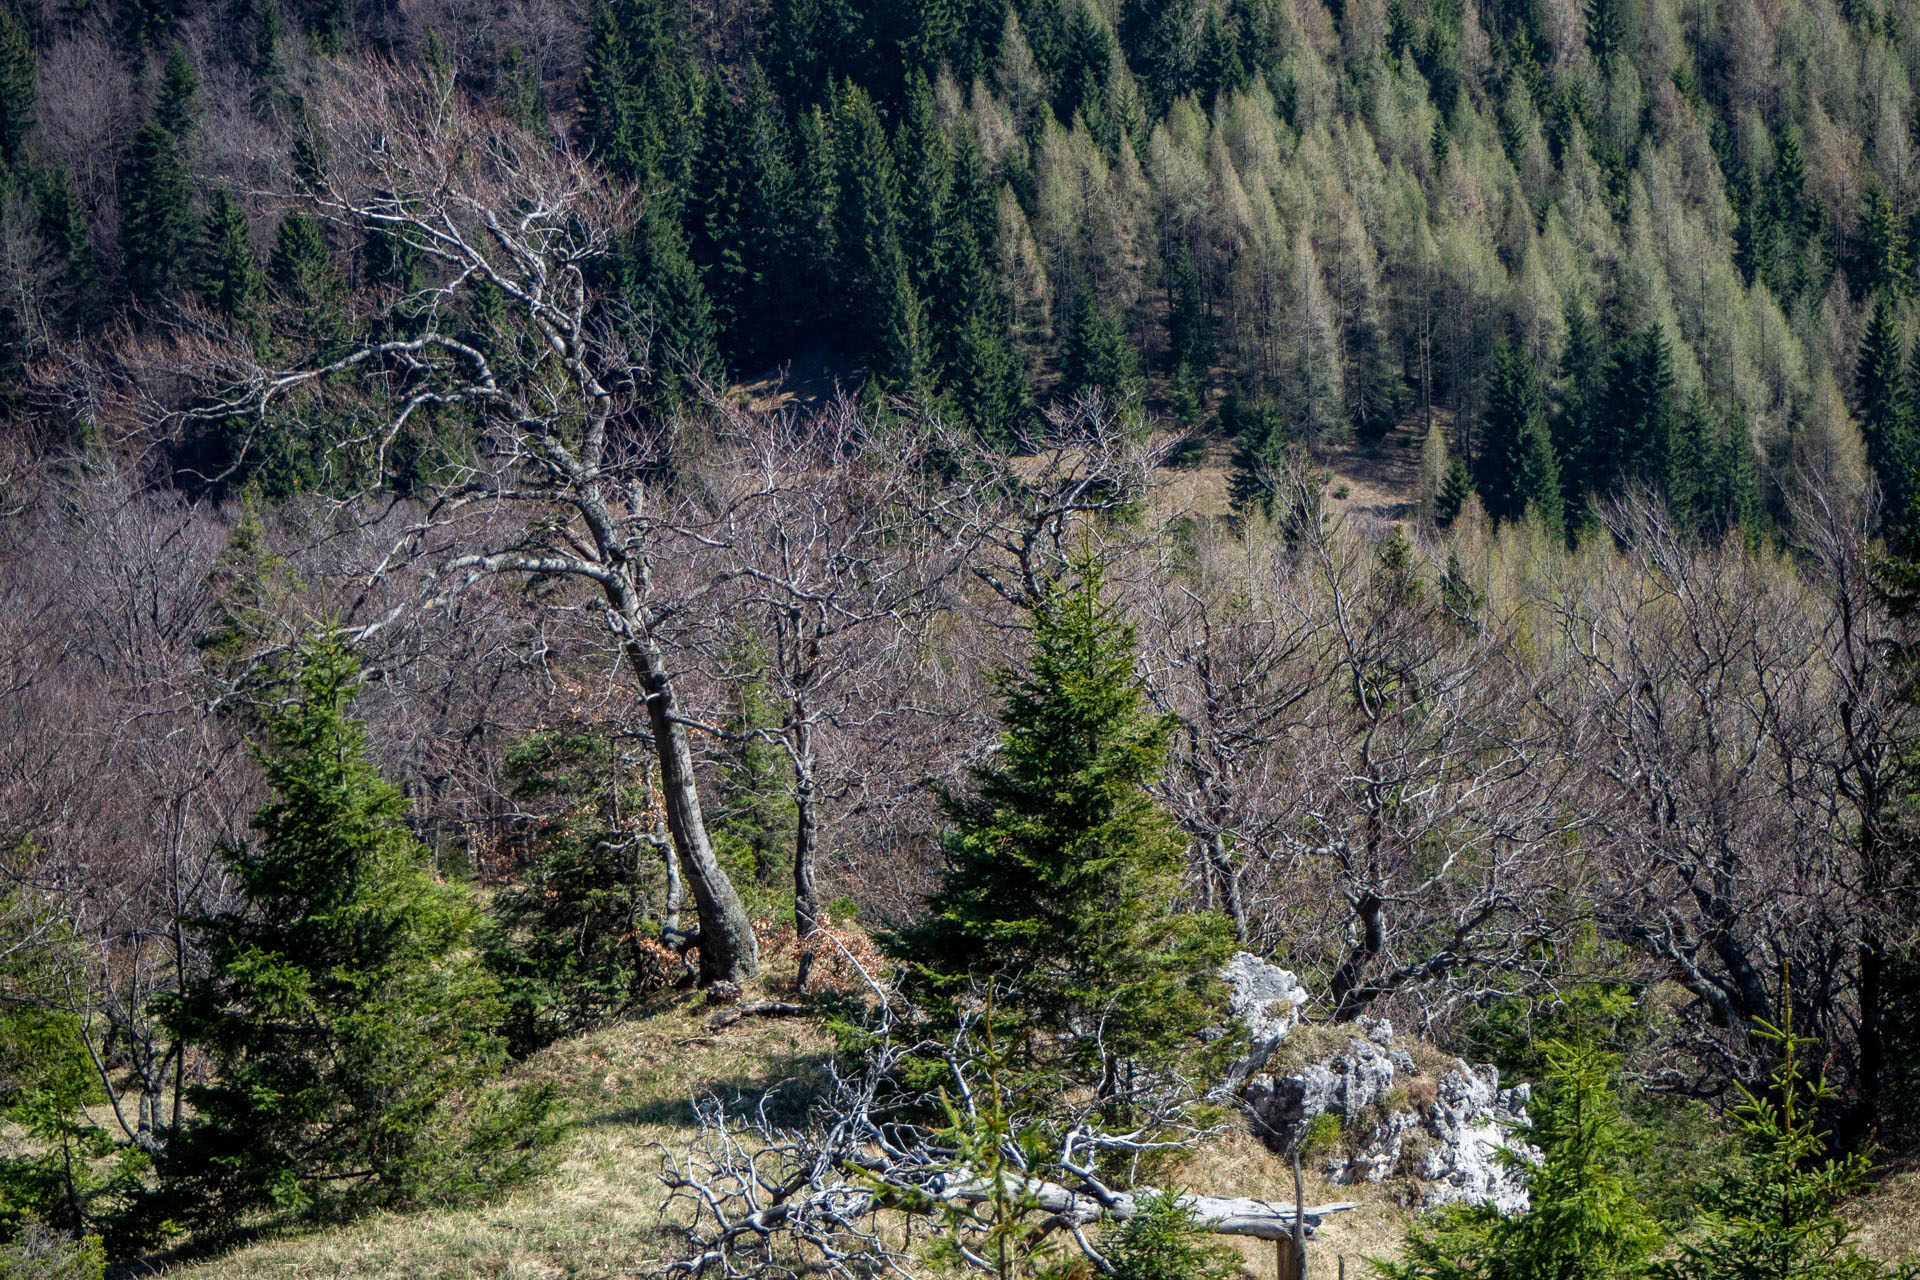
x,y
41,1253
570,939
1162,1242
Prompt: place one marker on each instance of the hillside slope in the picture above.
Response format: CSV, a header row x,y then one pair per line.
x,y
628,1088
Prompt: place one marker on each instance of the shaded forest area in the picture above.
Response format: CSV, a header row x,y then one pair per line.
x,y
420,645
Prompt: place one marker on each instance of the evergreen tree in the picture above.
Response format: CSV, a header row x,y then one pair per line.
x,y
269,50
1456,486
924,162
1773,1215
1062,871
985,383
881,309
522,98
1580,400
156,209
1259,452
1887,413
1884,265
1585,1221
62,224
1095,353
177,108
230,279
302,272
963,289
605,92
1606,30
16,89
342,1002
1189,330
1517,468
570,940
1163,1242
663,284
1636,416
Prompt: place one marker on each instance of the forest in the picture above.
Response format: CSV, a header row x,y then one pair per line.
x,y
939,524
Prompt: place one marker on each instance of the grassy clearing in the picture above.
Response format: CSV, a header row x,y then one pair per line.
x,y
596,1215
628,1087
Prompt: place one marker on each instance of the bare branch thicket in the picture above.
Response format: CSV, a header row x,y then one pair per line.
x,y
838,577
1427,788
1226,648
837,1189
116,768
1740,734
566,478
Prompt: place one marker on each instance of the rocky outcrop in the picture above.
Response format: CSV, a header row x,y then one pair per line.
x,y
1266,1000
1449,1130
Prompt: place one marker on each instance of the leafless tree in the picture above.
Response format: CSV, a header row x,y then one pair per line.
x,y
762,1192
568,442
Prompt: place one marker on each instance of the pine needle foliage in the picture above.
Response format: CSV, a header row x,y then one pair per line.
x,y
1062,870
343,1002
1586,1221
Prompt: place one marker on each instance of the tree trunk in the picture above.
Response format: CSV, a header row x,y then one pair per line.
x,y
1230,884
728,950
806,895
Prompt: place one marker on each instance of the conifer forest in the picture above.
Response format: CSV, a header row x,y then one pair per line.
x,y
735,639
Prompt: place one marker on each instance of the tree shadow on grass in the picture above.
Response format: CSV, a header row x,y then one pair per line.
x,y
787,1085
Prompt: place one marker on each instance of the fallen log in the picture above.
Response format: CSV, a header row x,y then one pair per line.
x,y
1221,1215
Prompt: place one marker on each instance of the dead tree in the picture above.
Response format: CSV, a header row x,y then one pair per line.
x,y
567,477
834,1190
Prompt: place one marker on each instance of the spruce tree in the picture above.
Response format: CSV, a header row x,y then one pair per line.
x,y
1585,1220
1887,412
156,200
177,109
1580,379
924,162
1456,486
1774,1212
664,285
1095,353
1062,871
985,382
1259,452
1517,467
62,223
341,1003
303,274
1189,331
269,56
16,89
880,308
610,105
1884,264
230,279
1635,419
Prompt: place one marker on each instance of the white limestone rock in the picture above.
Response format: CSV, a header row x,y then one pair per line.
x,y
1451,1140
1265,999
